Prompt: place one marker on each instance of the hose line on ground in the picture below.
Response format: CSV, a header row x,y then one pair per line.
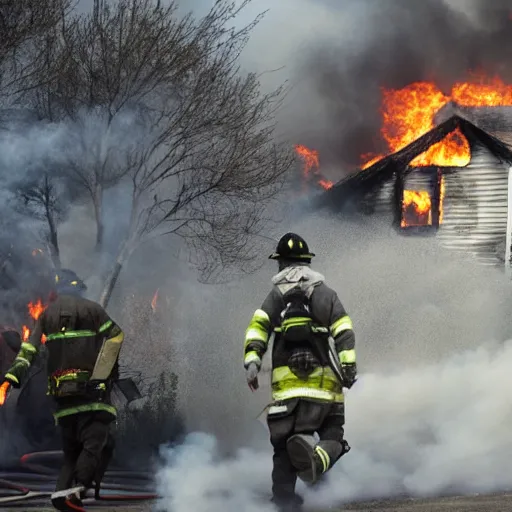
x,y
33,480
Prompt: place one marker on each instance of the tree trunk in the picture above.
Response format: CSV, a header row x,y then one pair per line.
x,y
124,253
53,237
98,211
54,241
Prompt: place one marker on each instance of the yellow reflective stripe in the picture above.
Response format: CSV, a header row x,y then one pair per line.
x,y
324,457
262,317
21,359
258,329
255,334
70,334
317,394
321,384
10,376
106,325
342,324
299,320
282,373
96,406
252,357
347,356
28,347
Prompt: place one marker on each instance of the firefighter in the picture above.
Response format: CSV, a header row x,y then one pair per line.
x,y
83,345
313,359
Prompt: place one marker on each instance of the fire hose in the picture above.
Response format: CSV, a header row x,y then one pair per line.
x,y
34,481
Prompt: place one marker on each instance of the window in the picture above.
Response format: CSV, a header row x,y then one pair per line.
x,y
421,199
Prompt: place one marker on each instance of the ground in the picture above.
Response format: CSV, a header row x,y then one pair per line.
x,y
492,503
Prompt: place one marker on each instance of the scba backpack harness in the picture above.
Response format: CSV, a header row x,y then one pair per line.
x,y
297,323
311,345
301,334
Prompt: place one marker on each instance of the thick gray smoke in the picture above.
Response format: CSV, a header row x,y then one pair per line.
x,y
391,44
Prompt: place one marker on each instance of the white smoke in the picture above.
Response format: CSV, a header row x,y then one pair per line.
x,y
420,432
196,478
428,431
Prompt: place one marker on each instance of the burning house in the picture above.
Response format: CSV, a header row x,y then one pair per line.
x,y
447,173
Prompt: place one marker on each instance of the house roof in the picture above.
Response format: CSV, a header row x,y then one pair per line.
x,y
383,170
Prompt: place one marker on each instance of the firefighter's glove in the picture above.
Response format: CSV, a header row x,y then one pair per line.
x,y
349,372
251,374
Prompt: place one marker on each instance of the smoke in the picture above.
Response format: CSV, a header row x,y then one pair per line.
x,y
430,412
427,415
337,55
428,431
390,44
197,477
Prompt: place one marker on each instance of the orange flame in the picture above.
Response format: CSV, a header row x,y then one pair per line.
x,y
416,208
409,113
311,161
4,389
154,301
25,335
36,309
442,188
325,184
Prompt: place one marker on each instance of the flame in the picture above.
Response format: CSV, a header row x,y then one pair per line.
x,y
453,151
311,167
4,390
372,160
25,333
442,188
483,92
154,300
36,252
325,184
36,309
416,208
409,113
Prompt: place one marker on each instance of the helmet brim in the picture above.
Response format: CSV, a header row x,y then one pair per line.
x,y
277,256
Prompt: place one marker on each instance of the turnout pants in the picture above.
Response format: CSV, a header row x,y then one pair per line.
x,y
301,416
88,446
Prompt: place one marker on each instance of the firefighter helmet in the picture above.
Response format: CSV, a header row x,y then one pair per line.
x,y
67,281
292,247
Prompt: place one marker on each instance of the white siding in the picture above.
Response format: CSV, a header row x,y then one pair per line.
x,y
475,208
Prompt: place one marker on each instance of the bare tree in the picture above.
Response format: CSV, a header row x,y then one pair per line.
x,y
115,60
44,197
24,24
207,163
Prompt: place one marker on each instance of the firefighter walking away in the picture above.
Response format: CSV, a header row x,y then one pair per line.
x,y
313,359
83,345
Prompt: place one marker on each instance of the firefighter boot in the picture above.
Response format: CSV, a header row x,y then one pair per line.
x,y
310,460
294,504
68,499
